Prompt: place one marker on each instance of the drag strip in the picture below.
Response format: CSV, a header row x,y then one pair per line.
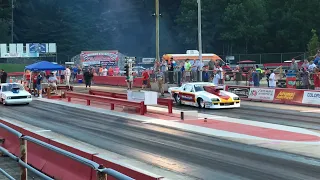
x,y
197,156
253,112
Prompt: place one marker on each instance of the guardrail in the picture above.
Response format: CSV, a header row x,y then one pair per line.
x,y
161,101
110,100
303,97
102,172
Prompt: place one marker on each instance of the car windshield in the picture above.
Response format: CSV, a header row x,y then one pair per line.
x,y
9,87
200,87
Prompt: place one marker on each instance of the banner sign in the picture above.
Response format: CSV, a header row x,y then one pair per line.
x,y
261,94
17,55
291,95
311,97
148,60
95,57
242,92
107,63
38,48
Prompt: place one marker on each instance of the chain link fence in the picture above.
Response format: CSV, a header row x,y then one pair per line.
x,y
268,57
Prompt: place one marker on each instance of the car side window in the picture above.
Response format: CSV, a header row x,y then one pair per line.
x,y
188,88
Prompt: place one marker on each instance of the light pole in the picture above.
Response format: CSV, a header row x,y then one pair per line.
x,y
12,7
200,37
157,14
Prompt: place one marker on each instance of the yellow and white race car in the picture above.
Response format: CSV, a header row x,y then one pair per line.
x,y
204,95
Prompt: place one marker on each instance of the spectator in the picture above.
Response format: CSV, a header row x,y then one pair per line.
x,y
219,71
164,68
171,69
62,76
259,70
194,70
294,66
130,81
216,78
187,68
305,64
255,78
272,79
4,76
39,85
75,71
53,82
305,79
312,66
182,71
145,79
100,71
205,75
110,71
116,71
316,79
160,81
34,82
88,75
104,71
268,73
68,75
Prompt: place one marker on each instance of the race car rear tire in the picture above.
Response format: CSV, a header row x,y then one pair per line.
x,y
177,99
201,103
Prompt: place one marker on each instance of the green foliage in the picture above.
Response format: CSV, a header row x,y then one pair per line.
x,y
228,26
313,44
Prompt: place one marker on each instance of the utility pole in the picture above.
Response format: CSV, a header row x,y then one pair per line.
x,y
157,14
200,36
12,7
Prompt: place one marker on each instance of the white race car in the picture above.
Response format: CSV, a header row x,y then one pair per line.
x,y
204,95
14,93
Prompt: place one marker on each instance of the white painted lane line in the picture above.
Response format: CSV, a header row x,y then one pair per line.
x,y
44,130
315,110
192,128
248,122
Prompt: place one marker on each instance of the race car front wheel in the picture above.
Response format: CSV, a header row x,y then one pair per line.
x,y
3,102
177,99
201,103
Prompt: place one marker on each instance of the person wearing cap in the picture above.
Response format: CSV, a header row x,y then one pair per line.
x,y
53,82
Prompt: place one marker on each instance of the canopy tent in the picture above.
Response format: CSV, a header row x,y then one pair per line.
x,y
44,66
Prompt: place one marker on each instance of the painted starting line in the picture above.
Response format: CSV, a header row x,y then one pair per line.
x,y
215,125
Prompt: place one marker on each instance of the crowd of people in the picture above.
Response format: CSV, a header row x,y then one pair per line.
x,y
178,72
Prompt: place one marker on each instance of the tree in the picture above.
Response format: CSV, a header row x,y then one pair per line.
x,y
313,44
244,22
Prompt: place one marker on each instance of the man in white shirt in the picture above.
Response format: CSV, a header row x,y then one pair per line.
x,y
68,75
53,82
272,80
105,71
216,79
311,67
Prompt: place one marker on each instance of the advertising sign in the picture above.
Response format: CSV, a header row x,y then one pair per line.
x,y
37,48
311,97
242,92
16,55
107,63
261,94
95,57
148,60
291,95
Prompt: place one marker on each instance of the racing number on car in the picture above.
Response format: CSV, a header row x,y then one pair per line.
x,y
187,97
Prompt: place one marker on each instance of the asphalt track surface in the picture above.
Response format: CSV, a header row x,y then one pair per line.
x,y
293,118
196,156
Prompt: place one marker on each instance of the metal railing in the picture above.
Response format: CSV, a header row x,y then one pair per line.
x,y
102,172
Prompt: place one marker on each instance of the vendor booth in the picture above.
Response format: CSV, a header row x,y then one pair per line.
x,y
43,66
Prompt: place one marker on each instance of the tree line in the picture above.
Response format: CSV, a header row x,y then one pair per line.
x,y
228,26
